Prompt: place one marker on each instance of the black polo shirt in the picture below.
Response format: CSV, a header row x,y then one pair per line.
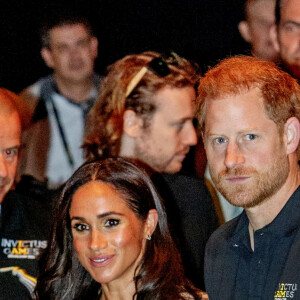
x,y
271,271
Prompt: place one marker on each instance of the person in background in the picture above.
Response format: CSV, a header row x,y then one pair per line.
x,y
145,111
111,239
248,111
24,222
59,102
255,29
286,35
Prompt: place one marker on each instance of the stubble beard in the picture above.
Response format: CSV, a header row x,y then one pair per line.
x,y
142,152
261,185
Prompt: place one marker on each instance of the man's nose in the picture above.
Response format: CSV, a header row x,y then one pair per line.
x,y
189,135
233,156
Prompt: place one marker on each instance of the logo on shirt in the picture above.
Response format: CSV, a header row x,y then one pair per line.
x,y
28,249
28,281
286,291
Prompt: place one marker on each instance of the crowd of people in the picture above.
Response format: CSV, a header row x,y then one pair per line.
x,y
96,198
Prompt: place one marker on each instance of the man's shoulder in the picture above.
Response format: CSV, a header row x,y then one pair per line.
x,y
185,182
189,195
33,212
185,189
31,94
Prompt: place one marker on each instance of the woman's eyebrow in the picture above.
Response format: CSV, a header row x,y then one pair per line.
x,y
100,216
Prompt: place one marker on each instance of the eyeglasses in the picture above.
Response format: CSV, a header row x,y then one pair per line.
x,y
157,65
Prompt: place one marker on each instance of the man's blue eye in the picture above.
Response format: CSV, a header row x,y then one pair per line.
x,y
250,137
220,140
111,222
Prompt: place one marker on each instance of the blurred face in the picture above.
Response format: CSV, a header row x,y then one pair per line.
x,y
261,16
245,152
10,135
108,237
289,36
164,144
72,52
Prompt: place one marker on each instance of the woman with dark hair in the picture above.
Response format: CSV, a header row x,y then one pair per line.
x,y
111,239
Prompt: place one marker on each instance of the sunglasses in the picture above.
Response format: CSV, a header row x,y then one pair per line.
x,y
157,65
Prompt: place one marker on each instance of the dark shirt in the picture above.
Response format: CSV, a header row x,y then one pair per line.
x,y
271,271
191,216
23,233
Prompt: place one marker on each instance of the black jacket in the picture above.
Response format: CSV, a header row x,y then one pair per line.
x,y
191,216
24,224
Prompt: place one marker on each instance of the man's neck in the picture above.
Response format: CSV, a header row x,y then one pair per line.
x,y
264,213
77,91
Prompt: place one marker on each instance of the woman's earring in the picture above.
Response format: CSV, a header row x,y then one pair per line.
x,y
149,237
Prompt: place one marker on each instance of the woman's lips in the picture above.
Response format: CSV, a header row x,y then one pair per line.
x,y
101,261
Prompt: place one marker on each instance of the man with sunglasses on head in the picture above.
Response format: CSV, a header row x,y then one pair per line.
x,y
24,222
59,102
145,111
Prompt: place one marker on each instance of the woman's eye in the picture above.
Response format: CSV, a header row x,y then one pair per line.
x,y
80,227
111,223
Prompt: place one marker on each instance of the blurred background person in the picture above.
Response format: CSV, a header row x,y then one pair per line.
x,y
59,102
255,29
24,222
286,35
111,239
145,111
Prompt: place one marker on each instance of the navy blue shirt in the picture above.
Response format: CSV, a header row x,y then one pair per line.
x,y
271,271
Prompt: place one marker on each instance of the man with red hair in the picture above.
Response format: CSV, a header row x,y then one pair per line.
x,y
249,114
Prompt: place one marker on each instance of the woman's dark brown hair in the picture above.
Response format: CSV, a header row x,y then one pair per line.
x,y
159,275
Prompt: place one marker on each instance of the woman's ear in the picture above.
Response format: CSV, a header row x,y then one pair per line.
x,y
131,123
151,223
292,134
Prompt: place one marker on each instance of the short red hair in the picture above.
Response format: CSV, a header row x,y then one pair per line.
x,y
280,92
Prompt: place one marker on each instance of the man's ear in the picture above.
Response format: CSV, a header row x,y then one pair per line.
x,y
292,134
151,223
132,123
245,31
274,37
47,56
94,46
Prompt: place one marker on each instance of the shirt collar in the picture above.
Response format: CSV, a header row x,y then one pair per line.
x,y
284,223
